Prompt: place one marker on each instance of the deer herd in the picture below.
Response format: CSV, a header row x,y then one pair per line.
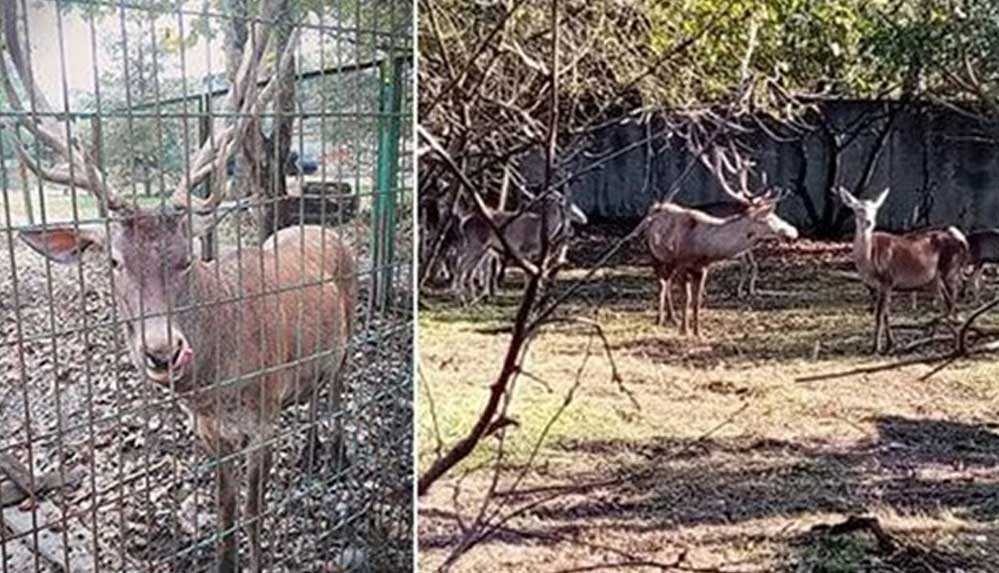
x,y
684,241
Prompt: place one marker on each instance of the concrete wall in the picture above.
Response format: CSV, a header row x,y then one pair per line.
x,y
932,159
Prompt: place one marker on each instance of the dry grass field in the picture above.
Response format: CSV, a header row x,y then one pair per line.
x,y
722,462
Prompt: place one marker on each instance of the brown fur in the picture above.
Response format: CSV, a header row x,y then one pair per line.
x,y
480,246
684,242
271,324
888,262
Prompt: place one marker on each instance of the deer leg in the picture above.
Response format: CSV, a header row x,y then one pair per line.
x,y
701,277
743,273
260,467
976,281
312,442
227,483
494,271
501,274
754,273
685,327
458,281
561,260
226,490
468,268
340,460
748,271
878,303
886,323
665,295
663,290
949,287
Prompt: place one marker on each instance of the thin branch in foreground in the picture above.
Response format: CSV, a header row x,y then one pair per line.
x,y
961,350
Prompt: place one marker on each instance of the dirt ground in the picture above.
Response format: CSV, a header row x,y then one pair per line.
x,y
73,403
712,457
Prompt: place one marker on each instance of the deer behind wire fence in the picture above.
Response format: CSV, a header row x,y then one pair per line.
x,y
208,173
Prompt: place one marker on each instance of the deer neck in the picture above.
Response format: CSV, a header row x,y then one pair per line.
x,y
863,246
731,238
211,326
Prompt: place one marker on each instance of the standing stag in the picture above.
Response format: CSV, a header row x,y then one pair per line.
x,y
888,262
726,161
482,252
684,242
237,340
749,270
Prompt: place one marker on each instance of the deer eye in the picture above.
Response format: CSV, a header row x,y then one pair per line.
x,y
115,264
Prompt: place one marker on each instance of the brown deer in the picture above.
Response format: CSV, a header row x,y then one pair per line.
x,y
888,262
238,339
684,242
749,270
481,250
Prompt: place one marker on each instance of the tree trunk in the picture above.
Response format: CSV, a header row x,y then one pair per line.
x,y
260,162
278,210
829,207
800,183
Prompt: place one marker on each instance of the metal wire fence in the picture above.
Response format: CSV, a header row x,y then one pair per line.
x,y
222,381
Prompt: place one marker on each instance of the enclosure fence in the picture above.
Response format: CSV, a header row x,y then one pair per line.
x,y
272,430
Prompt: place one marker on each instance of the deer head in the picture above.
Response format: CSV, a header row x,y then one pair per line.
x,y
152,266
767,223
149,249
574,215
865,211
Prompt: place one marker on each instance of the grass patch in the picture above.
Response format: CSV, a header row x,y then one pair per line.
x,y
793,452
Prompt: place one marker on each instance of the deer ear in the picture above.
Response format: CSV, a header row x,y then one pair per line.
x,y
881,198
847,197
763,210
202,223
62,244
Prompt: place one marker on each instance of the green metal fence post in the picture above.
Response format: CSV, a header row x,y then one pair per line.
x,y
383,214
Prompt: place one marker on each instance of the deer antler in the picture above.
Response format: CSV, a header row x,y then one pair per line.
x,y
722,165
82,171
247,100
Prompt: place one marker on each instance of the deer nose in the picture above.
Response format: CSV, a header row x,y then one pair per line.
x,y
161,357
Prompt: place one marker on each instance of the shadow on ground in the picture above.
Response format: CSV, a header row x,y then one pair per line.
x,y
915,467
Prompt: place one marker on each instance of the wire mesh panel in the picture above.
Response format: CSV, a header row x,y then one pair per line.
x,y
205,286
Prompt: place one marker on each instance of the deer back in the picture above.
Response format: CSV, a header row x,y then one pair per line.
x,y
669,231
286,309
522,231
914,260
984,246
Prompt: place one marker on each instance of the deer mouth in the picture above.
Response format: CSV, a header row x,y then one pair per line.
x,y
175,369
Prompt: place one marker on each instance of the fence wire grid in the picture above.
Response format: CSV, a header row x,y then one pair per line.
x,y
134,391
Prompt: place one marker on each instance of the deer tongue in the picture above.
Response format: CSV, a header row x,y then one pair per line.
x,y
183,358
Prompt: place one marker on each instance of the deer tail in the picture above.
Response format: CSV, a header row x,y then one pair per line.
x,y
965,249
958,235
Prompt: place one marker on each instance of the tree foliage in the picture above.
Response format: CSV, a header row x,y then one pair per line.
x,y
954,44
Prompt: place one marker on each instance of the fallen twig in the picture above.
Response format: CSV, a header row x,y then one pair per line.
x,y
855,523
872,369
